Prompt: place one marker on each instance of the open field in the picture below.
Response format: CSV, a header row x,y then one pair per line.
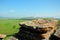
x,y
9,26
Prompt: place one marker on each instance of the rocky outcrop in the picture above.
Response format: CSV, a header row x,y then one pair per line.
x,y
36,29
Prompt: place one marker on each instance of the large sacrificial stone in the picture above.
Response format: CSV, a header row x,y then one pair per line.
x,y
36,29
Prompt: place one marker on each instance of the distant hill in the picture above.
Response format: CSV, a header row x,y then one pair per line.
x,y
26,18
29,18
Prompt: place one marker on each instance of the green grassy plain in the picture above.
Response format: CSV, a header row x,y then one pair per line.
x,y
9,26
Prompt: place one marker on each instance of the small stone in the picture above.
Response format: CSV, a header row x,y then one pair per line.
x,y
12,38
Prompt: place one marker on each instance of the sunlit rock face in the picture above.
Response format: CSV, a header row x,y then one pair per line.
x,y
36,29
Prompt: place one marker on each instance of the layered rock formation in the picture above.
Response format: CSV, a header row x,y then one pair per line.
x,y
36,29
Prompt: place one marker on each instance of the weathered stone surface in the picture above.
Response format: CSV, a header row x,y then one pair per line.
x,y
40,23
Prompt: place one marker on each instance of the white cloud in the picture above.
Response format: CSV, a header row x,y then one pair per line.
x,y
12,11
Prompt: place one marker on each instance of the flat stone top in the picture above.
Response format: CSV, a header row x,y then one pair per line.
x,y
41,23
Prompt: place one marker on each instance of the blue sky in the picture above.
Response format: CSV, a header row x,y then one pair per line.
x,y
28,8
